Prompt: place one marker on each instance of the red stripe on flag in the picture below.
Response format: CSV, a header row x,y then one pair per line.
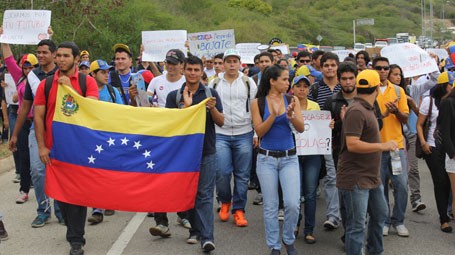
x,y
125,191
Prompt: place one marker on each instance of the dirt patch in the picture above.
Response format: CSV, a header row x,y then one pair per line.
x,y
4,151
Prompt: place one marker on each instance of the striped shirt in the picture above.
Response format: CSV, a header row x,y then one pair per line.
x,y
324,92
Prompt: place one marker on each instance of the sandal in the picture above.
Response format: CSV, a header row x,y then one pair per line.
x,y
309,238
446,228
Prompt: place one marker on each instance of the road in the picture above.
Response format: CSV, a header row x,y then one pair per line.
x,y
127,233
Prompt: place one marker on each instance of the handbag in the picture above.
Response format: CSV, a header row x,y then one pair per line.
x,y
426,128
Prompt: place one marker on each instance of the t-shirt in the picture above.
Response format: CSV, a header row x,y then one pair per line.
x,y
324,92
312,106
40,99
199,96
424,109
362,169
106,96
33,80
125,81
161,87
209,72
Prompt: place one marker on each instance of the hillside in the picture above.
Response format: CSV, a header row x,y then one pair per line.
x,y
97,25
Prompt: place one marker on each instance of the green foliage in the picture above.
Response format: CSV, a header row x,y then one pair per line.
x,y
253,5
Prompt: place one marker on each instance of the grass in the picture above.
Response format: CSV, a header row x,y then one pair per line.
x,y
4,151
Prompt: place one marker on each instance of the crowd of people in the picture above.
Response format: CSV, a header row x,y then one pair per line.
x,y
253,113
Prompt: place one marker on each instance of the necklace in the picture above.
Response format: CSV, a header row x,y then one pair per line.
x,y
127,80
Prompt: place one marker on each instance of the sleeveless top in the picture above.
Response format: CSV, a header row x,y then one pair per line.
x,y
279,136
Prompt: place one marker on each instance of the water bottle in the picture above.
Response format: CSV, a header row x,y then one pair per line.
x,y
396,162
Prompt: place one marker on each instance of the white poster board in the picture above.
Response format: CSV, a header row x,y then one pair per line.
x,y
413,60
442,53
208,44
25,26
10,89
247,51
342,54
158,43
284,48
316,139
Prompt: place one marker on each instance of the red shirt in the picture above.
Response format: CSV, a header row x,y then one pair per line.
x,y
40,99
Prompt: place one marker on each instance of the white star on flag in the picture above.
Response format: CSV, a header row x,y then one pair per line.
x,y
125,141
150,164
137,144
111,141
146,153
91,159
99,149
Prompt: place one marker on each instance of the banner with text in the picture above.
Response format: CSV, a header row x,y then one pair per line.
x,y
284,48
316,139
10,89
208,44
412,59
248,51
342,54
25,26
158,43
442,53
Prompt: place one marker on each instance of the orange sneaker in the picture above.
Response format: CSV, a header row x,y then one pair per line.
x,y
239,219
224,211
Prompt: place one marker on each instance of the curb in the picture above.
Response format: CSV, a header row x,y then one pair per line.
x,y
6,164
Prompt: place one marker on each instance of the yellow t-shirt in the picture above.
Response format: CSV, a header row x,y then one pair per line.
x,y
391,128
312,106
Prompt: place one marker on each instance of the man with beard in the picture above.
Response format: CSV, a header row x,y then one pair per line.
x,y
66,58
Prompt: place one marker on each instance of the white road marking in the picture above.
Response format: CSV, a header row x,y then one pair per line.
x,y
126,235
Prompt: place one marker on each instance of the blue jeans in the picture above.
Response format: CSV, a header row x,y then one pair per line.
x,y
234,157
400,187
331,190
201,216
12,117
309,171
38,173
284,170
357,203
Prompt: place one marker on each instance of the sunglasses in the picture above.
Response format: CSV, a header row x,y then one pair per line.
x,y
379,68
304,61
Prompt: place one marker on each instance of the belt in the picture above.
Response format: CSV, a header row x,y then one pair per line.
x,y
278,154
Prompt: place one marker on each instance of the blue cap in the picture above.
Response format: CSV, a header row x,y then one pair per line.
x,y
299,78
99,65
84,63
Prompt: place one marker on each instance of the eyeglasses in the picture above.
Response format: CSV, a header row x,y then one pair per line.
x,y
379,68
304,60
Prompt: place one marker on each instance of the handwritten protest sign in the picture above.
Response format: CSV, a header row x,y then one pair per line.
x,y
208,44
342,54
247,51
25,26
10,89
411,58
284,48
316,139
158,43
442,53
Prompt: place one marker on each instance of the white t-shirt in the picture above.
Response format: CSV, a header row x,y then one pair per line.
x,y
209,72
424,108
161,87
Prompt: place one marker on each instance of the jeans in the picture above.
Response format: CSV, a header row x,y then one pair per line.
x,y
38,173
309,171
74,216
272,171
234,157
201,216
413,170
357,203
331,190
12,117
400,187
24,157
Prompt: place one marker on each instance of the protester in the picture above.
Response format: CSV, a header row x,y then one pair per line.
x,y
362,58
265,59
85,56
67,57
316,60
84,67
217,66
277,160
209,69
121,77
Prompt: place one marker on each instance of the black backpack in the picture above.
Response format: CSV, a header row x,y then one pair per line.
x,y
117,83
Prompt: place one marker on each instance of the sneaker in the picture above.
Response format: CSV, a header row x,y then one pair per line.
x,y
275,252
23,197
109,212
3,233
281,214
76,249
193,239
95,218
208,246
224,212
418,206
184,222
160,230
239,219
252,186
331,224
402,231
40,221
385,231
259,200
17,179
290,249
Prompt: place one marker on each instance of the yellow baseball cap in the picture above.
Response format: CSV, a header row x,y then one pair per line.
x,y
368,79
84,52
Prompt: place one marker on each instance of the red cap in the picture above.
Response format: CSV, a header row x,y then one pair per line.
x,y
148,76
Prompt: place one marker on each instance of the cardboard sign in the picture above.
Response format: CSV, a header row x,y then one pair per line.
x,y
316,139
442,53
411,58
208,44
25,26
158,43
10,89
248,51
342,54
283,47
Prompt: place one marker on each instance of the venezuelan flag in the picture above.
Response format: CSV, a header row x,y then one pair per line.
x,y
120,157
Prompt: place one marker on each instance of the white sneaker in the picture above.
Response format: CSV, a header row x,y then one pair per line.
x,y
402,231
385,231
281,214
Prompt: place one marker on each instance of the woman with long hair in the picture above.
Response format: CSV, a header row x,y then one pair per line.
x,y
273,112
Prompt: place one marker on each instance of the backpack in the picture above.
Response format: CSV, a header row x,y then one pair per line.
x,y
261,103
117,83
246,82
178,96
111,92
314,90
